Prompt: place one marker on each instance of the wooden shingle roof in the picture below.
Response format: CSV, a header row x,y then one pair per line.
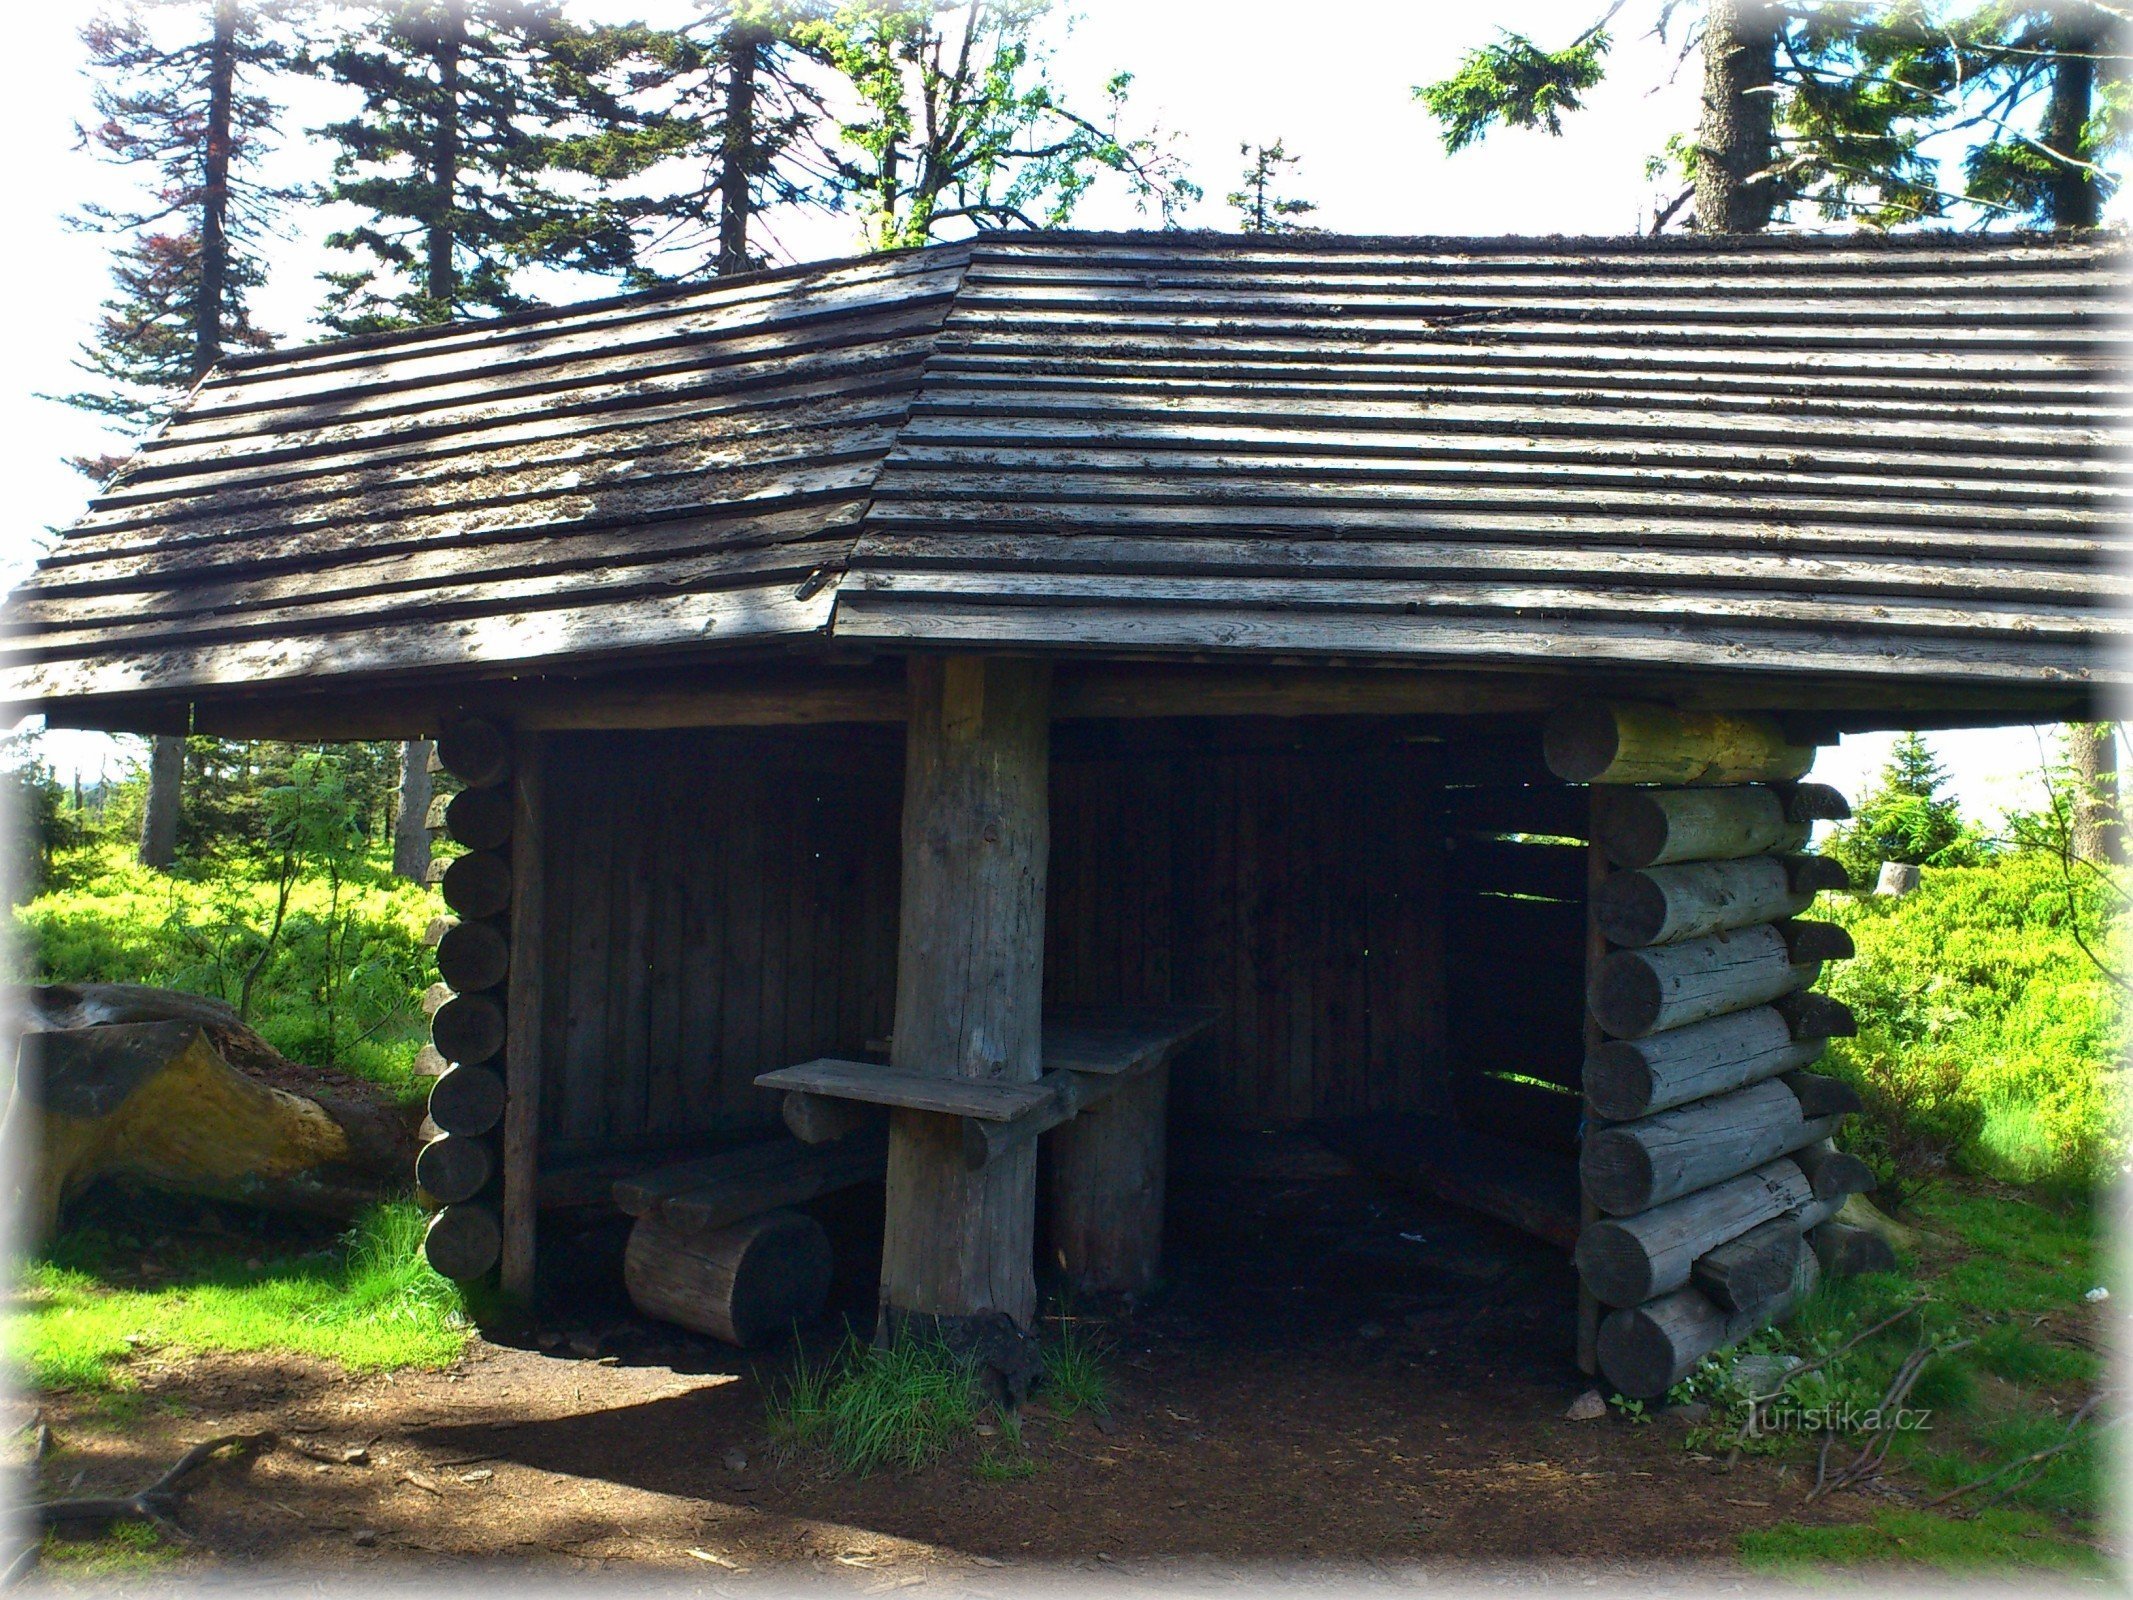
x,y
1818,454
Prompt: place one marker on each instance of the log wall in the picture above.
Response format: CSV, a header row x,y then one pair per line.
x,y
1702,1137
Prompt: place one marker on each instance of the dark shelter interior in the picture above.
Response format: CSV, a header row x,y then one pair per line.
x,y
1383,915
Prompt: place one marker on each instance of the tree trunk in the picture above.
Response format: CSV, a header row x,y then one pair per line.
x,y
1736,138
171,1091
411,834
2074,200
159,821
2097,835
441,277
215,190
737,148
957,1250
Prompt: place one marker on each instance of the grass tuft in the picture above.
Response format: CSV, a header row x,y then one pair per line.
x,y
1075,1377
869,1407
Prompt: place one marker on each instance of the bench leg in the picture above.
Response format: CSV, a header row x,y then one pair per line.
x,y
1106,1186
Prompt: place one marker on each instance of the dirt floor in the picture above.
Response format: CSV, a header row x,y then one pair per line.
x,y
1341,1374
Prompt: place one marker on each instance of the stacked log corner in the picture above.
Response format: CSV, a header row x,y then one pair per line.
x,y
1705,1162
459,1170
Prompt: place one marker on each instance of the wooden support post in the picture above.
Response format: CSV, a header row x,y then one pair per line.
x,y
522,1043
957,1245
1597,868
1105,1178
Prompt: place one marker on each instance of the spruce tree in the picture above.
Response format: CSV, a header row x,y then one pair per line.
x,y
488,133
738,95
960,123
1260,208
1824,107
190,117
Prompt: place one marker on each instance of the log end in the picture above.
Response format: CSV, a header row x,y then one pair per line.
x,y
463,1242
1626,995
475,751
1619,1083
1630,908
1581,741
1616,1171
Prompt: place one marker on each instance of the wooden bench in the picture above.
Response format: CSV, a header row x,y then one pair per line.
x,y
1088,1055
1102,1096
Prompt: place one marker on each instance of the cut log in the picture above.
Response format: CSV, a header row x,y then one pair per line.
x,y
473,956
819,1119
1627,1260
1846,1252
1105,1176
1640,828
462,1242
1812,802
1857,1211
193,1109
1751,1270
468,1028
480,819
478,884
1630,1167
1816,1016
1639,992
1616,741
455,1167
1645,1350
1660,905
476,752
1897,879
467,1100
1630,1078
1821,1096
743,1284
1808,942
1834,1173
1813,874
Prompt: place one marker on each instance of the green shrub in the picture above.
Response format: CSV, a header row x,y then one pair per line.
x,y
1987,1036
340,985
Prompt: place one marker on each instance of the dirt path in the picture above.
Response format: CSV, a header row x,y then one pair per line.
x,y
1342,1376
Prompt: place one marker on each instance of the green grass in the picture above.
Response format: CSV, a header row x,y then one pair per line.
x,y
898,1405
126,1549
342,987
1074,1378
1995,1541
370,1303
1998,1280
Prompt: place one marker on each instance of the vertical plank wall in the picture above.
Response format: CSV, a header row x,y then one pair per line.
x,y
723,901
720,903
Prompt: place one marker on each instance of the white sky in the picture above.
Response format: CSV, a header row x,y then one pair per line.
x,y
1332,80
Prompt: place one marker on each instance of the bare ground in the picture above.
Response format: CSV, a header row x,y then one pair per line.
x,y
1341,1376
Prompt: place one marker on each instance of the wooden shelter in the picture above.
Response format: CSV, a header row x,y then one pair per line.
x,y
924,718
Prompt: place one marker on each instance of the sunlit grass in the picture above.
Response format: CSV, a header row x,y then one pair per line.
x,y
1996,1540
370,1304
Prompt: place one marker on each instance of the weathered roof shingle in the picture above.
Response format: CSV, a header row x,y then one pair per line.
x,y
1796,453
